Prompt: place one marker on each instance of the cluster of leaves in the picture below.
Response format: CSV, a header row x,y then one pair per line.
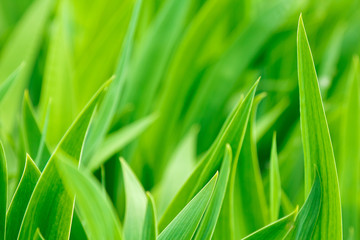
x,y
140,119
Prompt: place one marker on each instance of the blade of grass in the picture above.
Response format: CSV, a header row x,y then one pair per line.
x,y
233,133
6,85
21,198
275,183
318,150
3,191
305,221
183,226
276,230
136,203
96,211
208,222
149,231
57,205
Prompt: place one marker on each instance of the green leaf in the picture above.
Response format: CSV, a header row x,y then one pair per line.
x,y
350,158
149,231
3,191
107,109
159,40
276,230
136,203
318,150
275,183
207,226
96,211
183,226
115,141
307,217
38,235
232,133
179,168
57,84
5,86
252,206
21,198
22,46
33,138
57,205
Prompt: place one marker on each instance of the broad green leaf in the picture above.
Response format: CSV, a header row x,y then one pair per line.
x,y
252,205
96,211
307,217
179,168
149,231
136,203
57,205
350,158
22,46
208,222
275,183
33,138
107,109
6,85
318,150
276,230
115,141
183,226
21,198
3,191
232,133
38,235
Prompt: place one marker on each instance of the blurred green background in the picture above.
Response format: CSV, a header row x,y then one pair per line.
x,y
192,60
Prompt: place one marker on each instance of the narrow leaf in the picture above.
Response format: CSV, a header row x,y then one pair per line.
x,y
318,150
136,203
185,223
21,198
5,86
275,183
95,209
276,230
3,191
149,231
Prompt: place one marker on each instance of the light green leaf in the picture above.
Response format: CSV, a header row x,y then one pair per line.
x,y
3,191
306,219
208,223
22,46
136,203
6,85
232,133
107,109
350,157
32,134
318,150
96,211
57,84
38,236
275,183
57,205
183,226
115,141
252,206
21,198
179,168
276,230
149,231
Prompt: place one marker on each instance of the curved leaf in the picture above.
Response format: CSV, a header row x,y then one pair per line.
x,y
149,231
21,198
96,211
275,183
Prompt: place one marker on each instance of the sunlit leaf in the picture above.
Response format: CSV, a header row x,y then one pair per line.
x,y
318,150
275,183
